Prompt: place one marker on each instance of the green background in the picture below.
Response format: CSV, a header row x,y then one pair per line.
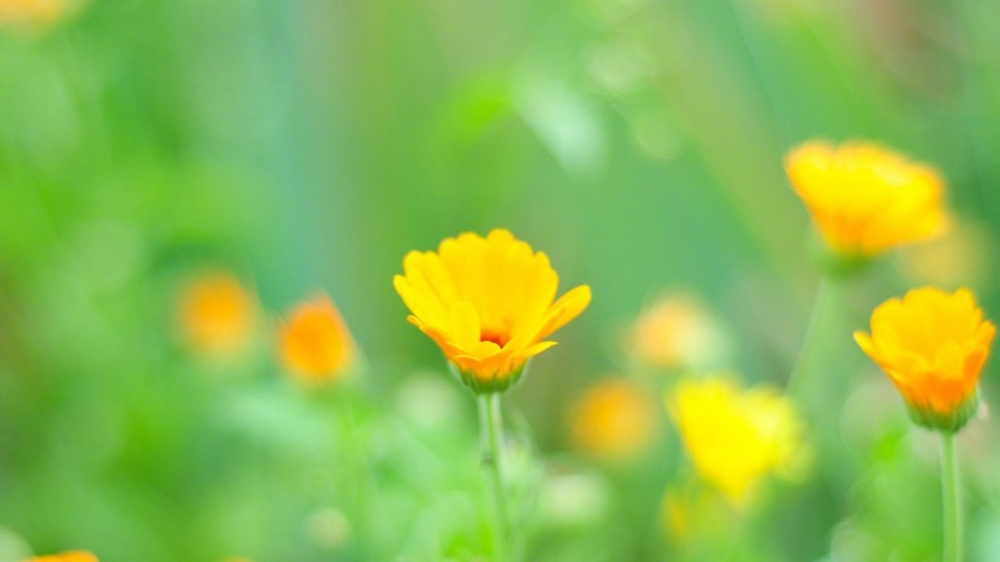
x,y
309,145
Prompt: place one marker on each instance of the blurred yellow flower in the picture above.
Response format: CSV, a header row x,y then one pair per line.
x,y
677,331
217,314
31,11
613,419
489,303
315,342
932,345
866,199
735,437
75,556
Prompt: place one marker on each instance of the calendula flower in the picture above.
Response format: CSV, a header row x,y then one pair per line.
x,y
31,11
932,345
217,314
677,331
735,438
76,556
613,419
865,199
489,303
315,343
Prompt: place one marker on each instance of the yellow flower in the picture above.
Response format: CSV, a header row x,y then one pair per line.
x,y
76,556
489,303
315,343
933,346
31,11
613,419
217,314
866,199
734,437
677,331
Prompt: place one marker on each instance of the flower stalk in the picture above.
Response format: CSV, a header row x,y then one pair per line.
x,y
491,435
951,494
822,306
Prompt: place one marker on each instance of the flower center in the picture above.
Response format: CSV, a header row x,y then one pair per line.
x,y
498,338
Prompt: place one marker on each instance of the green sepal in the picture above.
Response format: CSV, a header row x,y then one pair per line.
x,y
480,385
833,264
948,422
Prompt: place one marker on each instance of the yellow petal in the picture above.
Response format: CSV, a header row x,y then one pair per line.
x,y
933,346
568,307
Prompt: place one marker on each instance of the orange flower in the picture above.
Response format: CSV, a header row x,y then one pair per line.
x,y
614,419
315,342
75,556
677,331
489,303
933,346
217,315
866,199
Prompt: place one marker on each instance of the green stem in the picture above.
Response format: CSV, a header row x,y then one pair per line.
x,y
951,493
373,510
824,300
491,427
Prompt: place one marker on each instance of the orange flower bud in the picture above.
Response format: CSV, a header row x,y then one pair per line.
x,y
614,419
217,314
315,343
677,331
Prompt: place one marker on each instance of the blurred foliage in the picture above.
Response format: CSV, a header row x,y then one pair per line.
x,y
307,146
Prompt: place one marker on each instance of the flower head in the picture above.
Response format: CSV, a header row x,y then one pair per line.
x,y
677,331
315,343
614,419
735,437
489,303
866,199
75,556
216,313
932,345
